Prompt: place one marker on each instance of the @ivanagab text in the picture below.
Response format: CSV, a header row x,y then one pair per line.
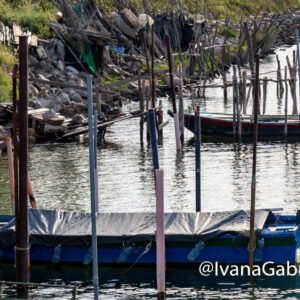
x,y
208,268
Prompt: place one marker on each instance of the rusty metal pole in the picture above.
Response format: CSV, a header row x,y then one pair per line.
x,y
22,250
251,246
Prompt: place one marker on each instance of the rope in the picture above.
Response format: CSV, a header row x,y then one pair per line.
x,y
22,249
147,249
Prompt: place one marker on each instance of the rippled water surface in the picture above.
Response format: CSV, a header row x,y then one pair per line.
x,y
60,179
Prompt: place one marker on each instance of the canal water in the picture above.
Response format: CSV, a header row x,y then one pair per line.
x,y
60,177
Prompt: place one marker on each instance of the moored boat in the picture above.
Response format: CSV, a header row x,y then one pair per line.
x,y
219,124
125,238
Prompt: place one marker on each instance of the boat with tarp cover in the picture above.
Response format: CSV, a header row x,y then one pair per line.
x,y
219,124
64,237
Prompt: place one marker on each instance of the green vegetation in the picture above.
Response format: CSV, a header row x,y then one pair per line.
x,y
7,61
31,15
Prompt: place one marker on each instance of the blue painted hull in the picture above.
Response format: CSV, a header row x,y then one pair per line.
x,y
280,244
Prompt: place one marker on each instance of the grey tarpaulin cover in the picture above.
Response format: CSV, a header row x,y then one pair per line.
x,y
52,227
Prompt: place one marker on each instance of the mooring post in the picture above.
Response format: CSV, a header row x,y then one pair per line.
x,y
251,246
234,99
142,108
265,85
92,186
22,240
298,61
279,79
30,193
147,108
181,107
198,158
244,92
175,115
11,172
225,85
160,120
286,103
160,235
151,117
95,159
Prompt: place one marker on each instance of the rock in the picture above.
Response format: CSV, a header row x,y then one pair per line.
x,y
43,102
54,129
35,103
78,119
32,91
33,62
114,111
72,70
50,114
176,80
64,99
42,77
118,21
79,108
43,92
80,82
60,65
76,97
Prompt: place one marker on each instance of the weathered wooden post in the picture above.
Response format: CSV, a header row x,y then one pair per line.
x,y
225,85
175,115
265,84
244,88
11,172
298,61
22,239
251,246
292,86
181,107
160,120
279,79
234,96
92,185
142,108
198,158
286,103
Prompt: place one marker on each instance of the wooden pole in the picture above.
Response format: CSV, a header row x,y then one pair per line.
x,y
181,107
11,172
160,235
298,61
265,83
198,158
160,120
31,195
292,86
22,239
225,85
279,79
92,186
244,92
152,69
234,96
251,246
286,103
175,115
142,108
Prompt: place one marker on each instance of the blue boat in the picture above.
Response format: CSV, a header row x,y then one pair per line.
x,y
61,237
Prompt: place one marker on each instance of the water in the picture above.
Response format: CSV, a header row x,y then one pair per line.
x,y
60,178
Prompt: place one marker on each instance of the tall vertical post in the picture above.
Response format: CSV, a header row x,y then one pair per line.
x,y
198,158
11,172
298,61
285,103
152,70
22,240
95,166
251,247
142,108
92,185
151,117
160,234
175,115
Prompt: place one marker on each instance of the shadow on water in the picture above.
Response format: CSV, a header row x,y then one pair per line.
x,y
140,282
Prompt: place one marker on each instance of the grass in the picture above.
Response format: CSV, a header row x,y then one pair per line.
x,y
31,15
7,61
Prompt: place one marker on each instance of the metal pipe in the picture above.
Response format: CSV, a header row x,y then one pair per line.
x,y
92,185
251,246
151,116
22,240
198,158
96,167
